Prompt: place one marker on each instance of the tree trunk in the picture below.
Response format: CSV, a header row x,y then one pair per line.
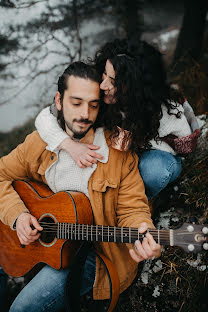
x,y
131,18
190,39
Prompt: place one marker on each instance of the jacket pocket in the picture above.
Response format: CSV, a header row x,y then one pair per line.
x,y
103,185
105,201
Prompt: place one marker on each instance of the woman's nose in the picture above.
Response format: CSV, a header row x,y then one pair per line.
x,y
104,85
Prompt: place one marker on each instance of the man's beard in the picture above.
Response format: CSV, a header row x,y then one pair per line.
x,y
63,123
76,134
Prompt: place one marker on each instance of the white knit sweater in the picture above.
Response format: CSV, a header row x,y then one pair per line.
x,y
65,174
170,124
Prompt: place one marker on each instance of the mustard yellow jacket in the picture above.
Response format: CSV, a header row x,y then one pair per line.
x,y
116,192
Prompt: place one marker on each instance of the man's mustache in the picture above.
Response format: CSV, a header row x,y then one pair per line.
x,y
87,121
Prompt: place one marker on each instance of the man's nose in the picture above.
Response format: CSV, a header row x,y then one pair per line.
x,y
85,112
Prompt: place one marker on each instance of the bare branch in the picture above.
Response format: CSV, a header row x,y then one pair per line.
x,y
77,28
25,5
43,72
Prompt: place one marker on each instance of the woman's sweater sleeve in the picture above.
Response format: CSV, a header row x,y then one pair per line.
x,y
170,124
49,129
190,116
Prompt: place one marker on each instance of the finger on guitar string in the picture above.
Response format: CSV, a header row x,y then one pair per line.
x,y
147,248
156,248
24,231
135,256
36,224
24,240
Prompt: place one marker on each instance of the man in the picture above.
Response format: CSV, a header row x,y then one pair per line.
x,y
114,187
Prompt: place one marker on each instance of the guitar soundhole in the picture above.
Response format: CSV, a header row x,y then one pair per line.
x,y
49,230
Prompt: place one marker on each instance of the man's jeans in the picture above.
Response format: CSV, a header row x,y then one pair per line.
x,y
45,292
157,169
3,280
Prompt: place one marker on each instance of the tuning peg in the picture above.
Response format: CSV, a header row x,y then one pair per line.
x,y
205,230
193,219
205,246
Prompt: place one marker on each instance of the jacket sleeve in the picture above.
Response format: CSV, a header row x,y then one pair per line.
x,y
12,167
132,208
49,129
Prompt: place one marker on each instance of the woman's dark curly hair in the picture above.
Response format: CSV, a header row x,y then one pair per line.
x,y
141,88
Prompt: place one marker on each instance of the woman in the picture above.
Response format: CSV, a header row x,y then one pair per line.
x,y
148,116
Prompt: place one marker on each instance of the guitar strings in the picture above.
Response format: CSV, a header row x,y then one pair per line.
x,y
79,227
105,229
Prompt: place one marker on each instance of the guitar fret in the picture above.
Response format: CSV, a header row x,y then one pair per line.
x,y
108,233
129,235
82,232
158,236
138,233
57,235
91,233
96,233
171,238
122,234
114,234
87,232
75,231
78,231
102,233
71,231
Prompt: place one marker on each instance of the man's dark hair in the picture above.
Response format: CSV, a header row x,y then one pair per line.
x,y
77,69
81,70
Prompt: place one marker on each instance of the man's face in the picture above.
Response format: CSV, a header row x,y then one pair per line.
x,y
108,82
80,105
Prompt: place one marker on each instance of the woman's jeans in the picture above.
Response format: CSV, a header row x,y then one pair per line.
x,y
45,292
157,169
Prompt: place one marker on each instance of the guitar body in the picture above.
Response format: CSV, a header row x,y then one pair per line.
x,y
71,207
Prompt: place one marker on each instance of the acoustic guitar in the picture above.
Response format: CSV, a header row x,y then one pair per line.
x,y
67,219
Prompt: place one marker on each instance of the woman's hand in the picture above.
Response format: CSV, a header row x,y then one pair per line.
x,y
148,249
83,154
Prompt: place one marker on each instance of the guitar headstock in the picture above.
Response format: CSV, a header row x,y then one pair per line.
x,y
191,237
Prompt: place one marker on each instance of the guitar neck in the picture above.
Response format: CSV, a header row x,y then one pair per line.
x,y
109,233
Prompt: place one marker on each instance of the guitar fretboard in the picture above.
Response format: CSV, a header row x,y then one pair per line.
x,y
108,233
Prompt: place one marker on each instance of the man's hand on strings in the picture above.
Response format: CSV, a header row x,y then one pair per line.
x,y
27,228
148,249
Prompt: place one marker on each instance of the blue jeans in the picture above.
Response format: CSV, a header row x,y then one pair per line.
x,y
3,280
157,169
45,292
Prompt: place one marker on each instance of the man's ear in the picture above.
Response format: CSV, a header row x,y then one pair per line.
x,y
58,100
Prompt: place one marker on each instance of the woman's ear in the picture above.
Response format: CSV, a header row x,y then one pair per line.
x,y
58,100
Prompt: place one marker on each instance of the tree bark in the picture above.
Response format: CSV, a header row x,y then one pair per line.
x,y
191,35
131,19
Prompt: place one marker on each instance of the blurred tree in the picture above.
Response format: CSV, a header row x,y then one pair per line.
x,y
7,46
7,3
54,38
187,68
131,17
190,40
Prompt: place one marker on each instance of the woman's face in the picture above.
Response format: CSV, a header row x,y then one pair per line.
x,y
108,83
